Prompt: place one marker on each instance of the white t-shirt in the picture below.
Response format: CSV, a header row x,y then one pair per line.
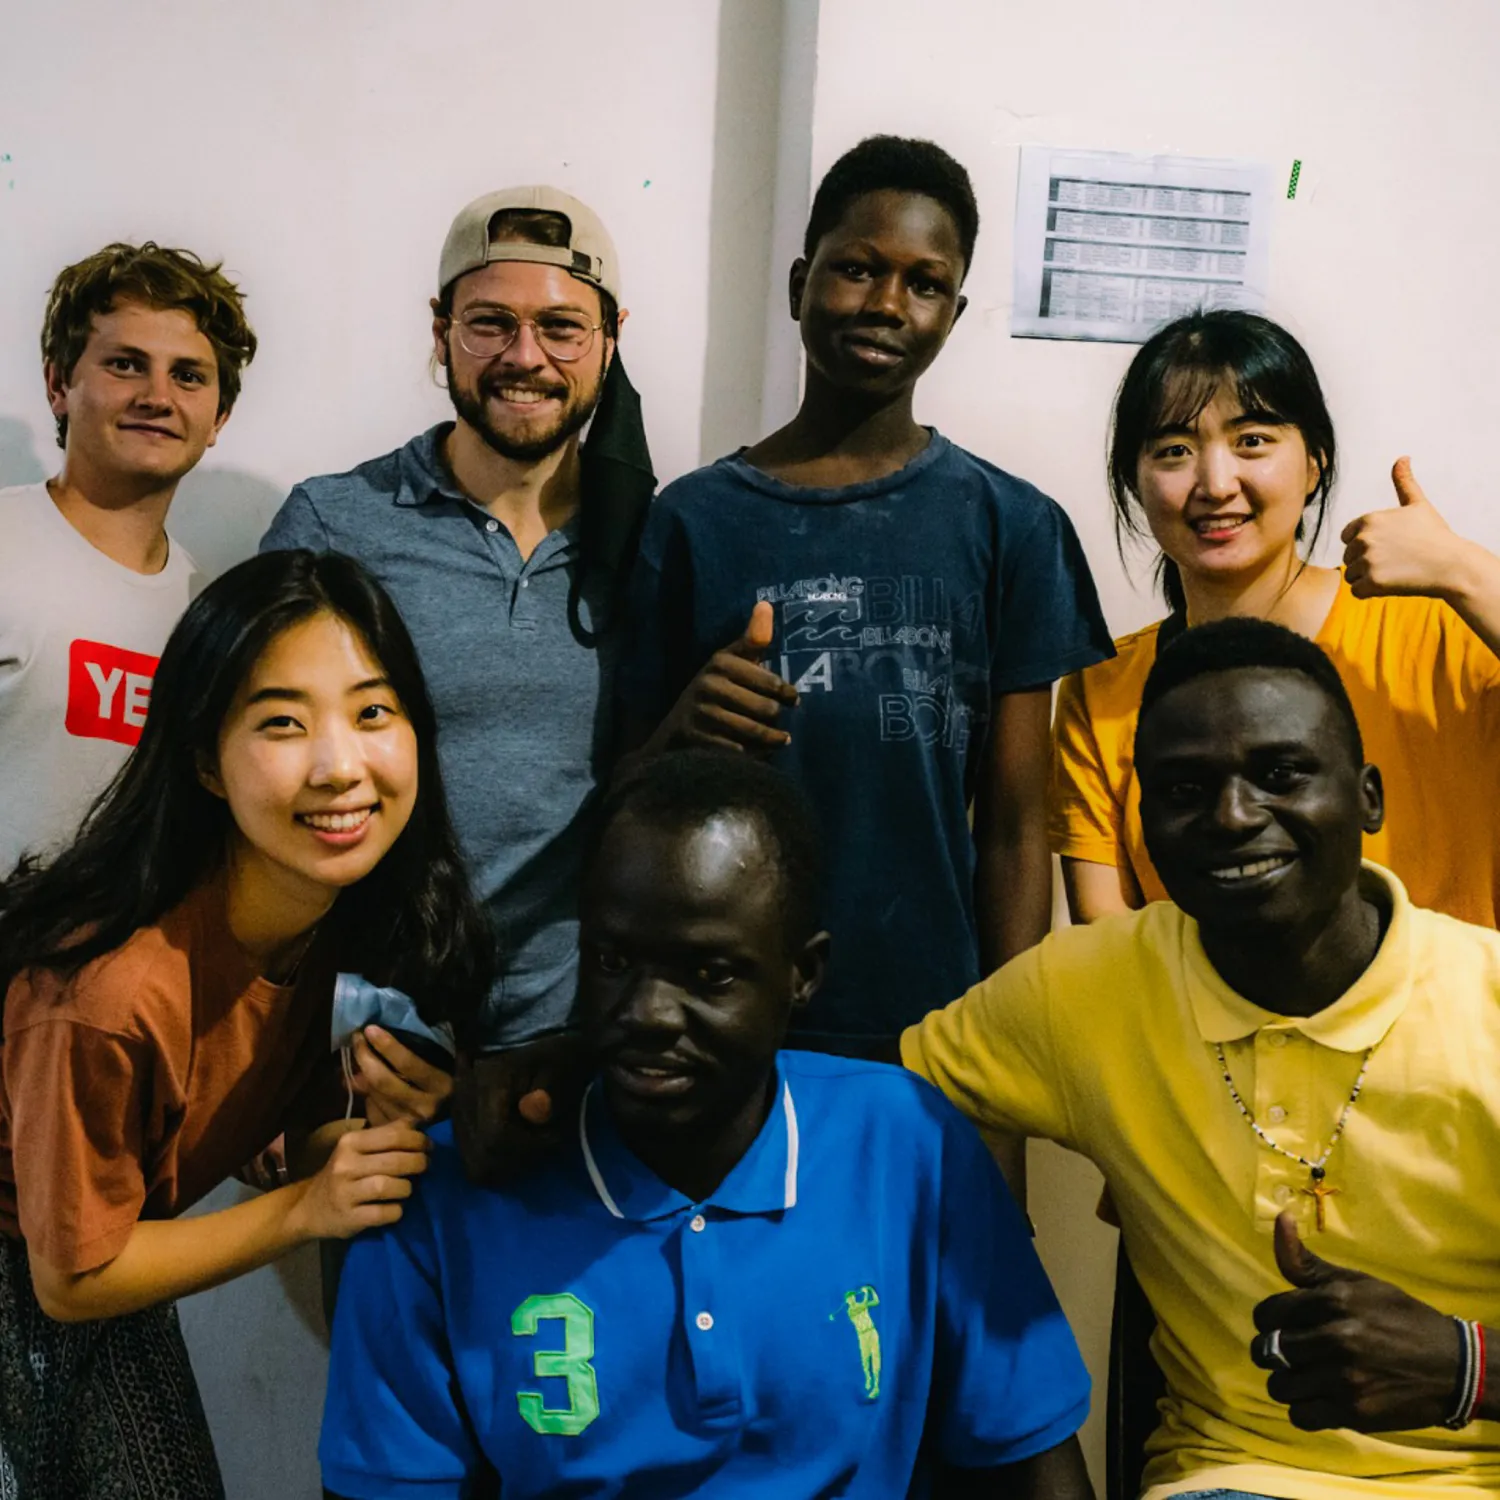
x,y
79,640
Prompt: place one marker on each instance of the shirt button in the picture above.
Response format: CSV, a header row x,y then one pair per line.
x,y
705,1321
1283,1193
492,526
525,583
697,1223
1277,1114
1277,1039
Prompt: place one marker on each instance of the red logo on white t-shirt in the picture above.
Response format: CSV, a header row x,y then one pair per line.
x,y
109,691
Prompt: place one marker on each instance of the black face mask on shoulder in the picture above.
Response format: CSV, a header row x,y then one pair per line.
x,y
617,483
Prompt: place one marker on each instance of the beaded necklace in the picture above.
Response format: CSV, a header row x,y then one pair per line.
x,y
1320,1189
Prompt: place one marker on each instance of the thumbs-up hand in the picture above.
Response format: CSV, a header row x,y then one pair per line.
x,y
1346,1349
733,702
756,638
1301,1266
1409,550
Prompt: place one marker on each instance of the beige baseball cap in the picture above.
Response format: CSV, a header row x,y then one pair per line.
x,y
588,255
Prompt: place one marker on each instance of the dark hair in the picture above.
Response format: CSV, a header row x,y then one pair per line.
x,y
159,277
1243,641
1177,372
156,832
898,164
536,226
683,789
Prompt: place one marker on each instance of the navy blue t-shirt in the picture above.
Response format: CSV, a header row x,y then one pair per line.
x,y
904,607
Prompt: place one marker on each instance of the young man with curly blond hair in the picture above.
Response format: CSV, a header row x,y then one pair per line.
x,y
142,351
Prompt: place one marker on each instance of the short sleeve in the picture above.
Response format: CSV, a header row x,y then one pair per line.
x,y
992,1052
1481,667
1084,818
296,524
78,1103
1050,622
1008,1380
394,1427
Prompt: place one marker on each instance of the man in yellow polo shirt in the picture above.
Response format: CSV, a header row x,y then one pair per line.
x,y
1291,1082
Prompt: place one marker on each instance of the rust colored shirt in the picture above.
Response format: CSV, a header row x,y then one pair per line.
x,y
136,1087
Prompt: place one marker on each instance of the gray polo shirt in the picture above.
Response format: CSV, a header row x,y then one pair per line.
x,y
522,702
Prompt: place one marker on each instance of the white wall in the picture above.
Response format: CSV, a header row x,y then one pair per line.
x,y
321,150
1383,264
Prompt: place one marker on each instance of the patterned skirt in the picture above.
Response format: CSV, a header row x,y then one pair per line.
x,y
104,1410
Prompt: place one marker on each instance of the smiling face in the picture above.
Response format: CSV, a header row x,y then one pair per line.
x,y
522,402
1253,802
316,759
143,400
1224,496
881,293
688,974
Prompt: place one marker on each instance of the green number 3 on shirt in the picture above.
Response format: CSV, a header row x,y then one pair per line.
x,y
570,1363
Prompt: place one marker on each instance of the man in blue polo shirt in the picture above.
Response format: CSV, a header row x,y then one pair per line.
x,y
751,1272
503,539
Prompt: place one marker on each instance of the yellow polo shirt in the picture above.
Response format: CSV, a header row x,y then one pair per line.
x,y
1101,1038
1424,689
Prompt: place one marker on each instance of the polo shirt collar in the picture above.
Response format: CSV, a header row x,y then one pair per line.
x,y
1357,1020
424,474
425,478
763,1181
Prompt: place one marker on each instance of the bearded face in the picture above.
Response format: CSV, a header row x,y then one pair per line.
x,y
523,401
523,416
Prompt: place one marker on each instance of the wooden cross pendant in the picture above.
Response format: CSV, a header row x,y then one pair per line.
x,y
1318,1192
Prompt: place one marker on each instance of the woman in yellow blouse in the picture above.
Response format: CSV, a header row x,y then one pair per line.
x,y
1223,451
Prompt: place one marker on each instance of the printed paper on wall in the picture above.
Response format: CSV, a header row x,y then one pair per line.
x,y
1110,246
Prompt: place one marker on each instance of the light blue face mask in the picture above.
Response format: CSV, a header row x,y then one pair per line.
x,y
357,1003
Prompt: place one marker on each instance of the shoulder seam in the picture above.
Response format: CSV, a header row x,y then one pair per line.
x,y
145,982
82,1023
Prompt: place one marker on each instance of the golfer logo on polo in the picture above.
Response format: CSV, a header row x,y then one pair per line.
x,y
857,1305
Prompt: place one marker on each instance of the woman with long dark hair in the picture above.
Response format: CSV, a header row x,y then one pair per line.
x,y
168,983
1222,451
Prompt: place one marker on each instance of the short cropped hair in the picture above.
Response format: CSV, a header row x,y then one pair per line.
x,y
898,164
537,226
1239,642
682,790
162,278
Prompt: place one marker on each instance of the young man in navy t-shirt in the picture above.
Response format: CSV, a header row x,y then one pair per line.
x,y
908,604
749,1272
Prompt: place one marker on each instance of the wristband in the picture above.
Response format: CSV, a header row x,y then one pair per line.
x,y
1471,1373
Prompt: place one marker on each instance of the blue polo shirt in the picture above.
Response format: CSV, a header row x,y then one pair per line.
x,y
859,1295
522,699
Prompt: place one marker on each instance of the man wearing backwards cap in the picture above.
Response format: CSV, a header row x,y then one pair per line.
x,y
501,537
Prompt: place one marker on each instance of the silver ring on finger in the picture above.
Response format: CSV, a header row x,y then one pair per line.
x,y
1273,1356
